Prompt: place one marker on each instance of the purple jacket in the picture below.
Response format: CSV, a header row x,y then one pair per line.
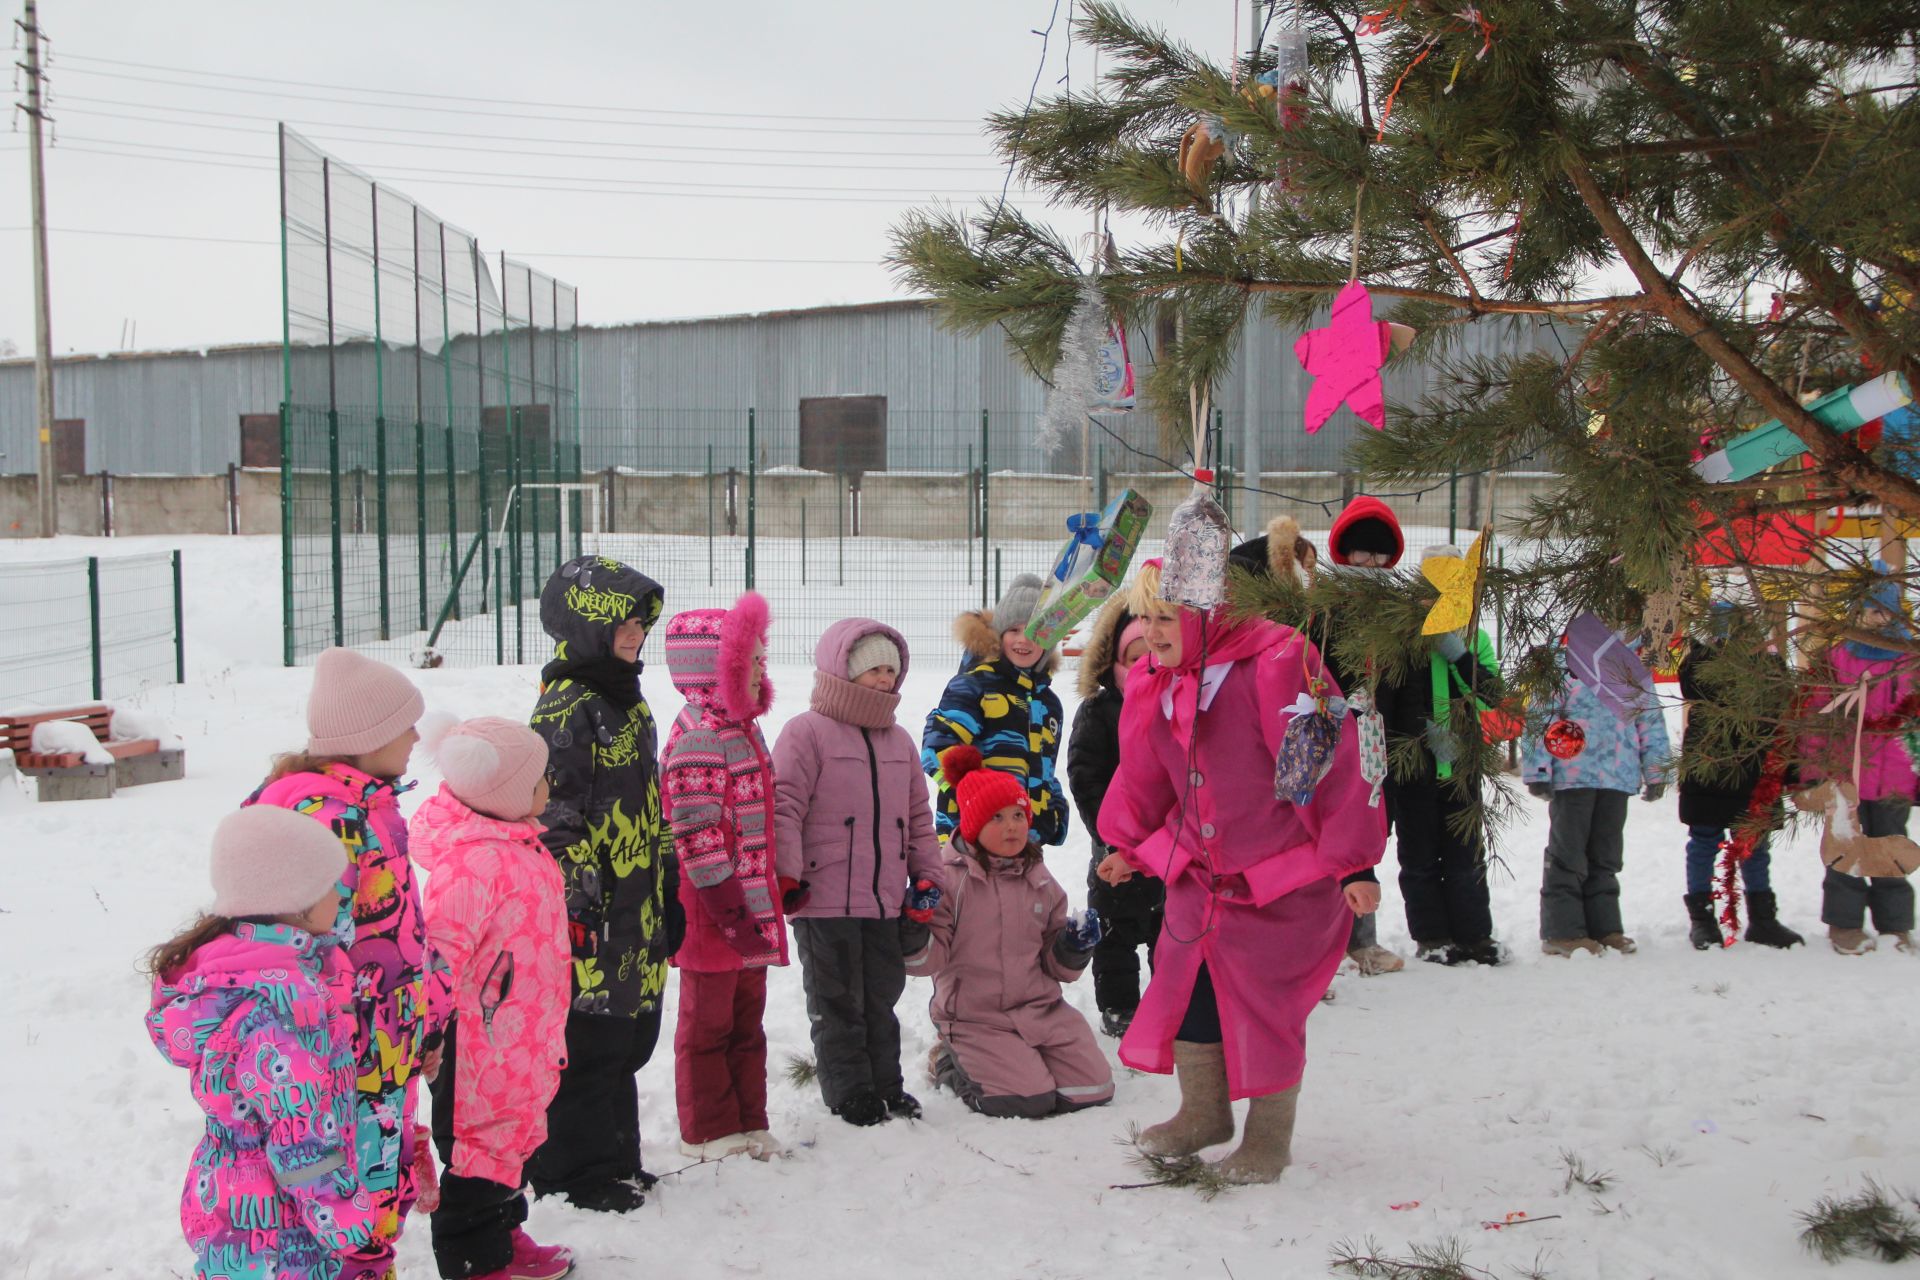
x,y
851,814
1886,770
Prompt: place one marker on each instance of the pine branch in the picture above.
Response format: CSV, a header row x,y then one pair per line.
x,y
1445,1260
1873,1223
1189,1173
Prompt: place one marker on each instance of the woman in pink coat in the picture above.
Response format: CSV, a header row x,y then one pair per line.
x,y
1255,920
716,781
998,948
496,913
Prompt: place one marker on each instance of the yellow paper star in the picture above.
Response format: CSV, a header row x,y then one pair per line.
x,y
1459,583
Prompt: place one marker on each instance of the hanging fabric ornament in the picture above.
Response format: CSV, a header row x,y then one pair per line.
x,y
1076,380
1113,373
1501,724
1458,580
1373,743
1308,743
1565,739
1602,660
1198,535
1844,846
1345,358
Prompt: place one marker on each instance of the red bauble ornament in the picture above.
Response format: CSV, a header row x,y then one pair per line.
x,y
1565,739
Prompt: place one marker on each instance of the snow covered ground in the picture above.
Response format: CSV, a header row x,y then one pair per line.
x,y
1722,1091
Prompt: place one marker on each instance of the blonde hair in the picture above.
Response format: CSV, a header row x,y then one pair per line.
x,y
1143,598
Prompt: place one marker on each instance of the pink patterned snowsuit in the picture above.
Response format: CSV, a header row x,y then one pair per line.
x,y
1253,882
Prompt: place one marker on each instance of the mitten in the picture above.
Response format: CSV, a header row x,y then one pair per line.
x,y
674,932
1540,790
1653,792
914,936
1440,742
922,898
1083,930
793,894
725,903
426,1179
1452,646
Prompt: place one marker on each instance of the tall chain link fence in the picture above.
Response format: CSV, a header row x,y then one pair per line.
x,y
431,401
89,628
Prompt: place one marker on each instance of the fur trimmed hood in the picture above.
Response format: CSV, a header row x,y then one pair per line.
x,y
710,657
1278,553
980,639
1095,671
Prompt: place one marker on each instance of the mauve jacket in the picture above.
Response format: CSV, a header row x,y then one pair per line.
x,y
851,814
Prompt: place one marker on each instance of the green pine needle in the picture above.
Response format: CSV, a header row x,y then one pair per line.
x,y
801,1070
1872,1223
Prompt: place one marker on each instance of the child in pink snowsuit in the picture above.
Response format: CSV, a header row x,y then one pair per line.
x,y
256,1002
998,948
361,715
1256,923
497,917
716,781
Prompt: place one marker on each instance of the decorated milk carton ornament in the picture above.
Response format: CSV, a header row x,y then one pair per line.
x,y
1090,566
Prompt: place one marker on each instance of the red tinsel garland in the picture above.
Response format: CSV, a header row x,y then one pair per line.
x,y
1756,825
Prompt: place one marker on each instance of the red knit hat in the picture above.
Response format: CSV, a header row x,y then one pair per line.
x,y
981,792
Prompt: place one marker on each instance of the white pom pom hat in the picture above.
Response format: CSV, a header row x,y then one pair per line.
x,y
491,764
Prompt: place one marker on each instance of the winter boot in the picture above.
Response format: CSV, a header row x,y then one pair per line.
x,y
1205,1118
1480,951
862,1109
1703,930
1619,942
762,1145
901,1103
1375,960
538,1261
1849,942
1764,927
1114,1022
617,1196
1568,946
720,1148
1903,943
1266,1146
1437,951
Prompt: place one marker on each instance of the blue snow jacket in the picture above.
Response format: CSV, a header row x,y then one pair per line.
x,y
1619,755
1011,715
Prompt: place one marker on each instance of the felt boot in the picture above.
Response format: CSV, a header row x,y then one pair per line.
x,y
1703,931
1619,942
1266,1145
1763,925
1204,1118
1849,942
1376,960
1568,946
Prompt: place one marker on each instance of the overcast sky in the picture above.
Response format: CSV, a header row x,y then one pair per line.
x,y
670,132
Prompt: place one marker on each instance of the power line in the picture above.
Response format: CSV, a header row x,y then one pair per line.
x,y
511,102
780,149
562,177
543,187
598,257
757,163
761,127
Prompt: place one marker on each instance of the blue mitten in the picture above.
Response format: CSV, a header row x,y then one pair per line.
x,y
922,898
1083,930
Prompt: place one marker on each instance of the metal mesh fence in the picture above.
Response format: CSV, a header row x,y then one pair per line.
x,y
425,387
94,628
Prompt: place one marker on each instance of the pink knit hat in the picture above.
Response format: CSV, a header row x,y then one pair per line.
x,y
492,765
269,861
358,705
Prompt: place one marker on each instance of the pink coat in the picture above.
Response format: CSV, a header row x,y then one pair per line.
x,y
497,915
716,781
1252,881
1886,770
996,982
852,817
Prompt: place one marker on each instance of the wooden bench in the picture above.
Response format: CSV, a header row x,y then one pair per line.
x,y
66,775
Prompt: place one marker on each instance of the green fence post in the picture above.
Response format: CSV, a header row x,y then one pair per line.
x,y
380,517
996,573
1453,506
985,507
420,510
973,513
500,611
840,535
803,542
93,620
453,515
179,627
333,501
516,509
709,515
753,497
286,527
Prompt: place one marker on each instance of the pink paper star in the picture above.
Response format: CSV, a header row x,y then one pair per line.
x,y
1344,359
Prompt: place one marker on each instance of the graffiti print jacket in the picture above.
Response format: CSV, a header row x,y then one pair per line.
x,y
1012,715
603,821
262,1019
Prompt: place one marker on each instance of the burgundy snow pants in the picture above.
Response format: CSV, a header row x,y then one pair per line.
x,y
720,1054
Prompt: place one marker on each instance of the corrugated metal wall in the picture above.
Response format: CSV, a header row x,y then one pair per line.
x,y
654,395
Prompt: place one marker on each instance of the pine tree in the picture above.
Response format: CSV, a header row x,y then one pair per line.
x,y
1649,173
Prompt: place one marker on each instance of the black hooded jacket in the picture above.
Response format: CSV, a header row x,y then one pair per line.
x,y
603,819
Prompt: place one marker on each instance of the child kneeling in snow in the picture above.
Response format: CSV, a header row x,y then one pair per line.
x,y
716,777
1256,920
998,947
497,915
256,1002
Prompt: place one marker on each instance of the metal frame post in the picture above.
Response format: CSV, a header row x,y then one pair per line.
x,y
380,421
93,621
753,498
710,515
179,625
986,507
333,417
286,422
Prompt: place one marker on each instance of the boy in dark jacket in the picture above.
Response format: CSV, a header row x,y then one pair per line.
x,y
1130,912
1712,803
1003,704
603,826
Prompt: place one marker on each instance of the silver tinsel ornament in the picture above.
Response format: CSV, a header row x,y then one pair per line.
x,y
1076,382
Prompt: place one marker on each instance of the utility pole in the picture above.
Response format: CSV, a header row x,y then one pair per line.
x,y
42,326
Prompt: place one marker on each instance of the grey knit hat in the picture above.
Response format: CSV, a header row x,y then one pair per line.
x,y
1017,606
